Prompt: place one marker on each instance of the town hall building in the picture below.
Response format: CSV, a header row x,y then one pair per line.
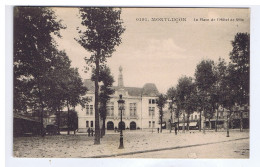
x,y
140,110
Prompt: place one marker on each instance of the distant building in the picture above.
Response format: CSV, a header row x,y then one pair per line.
x,y
194,119
140,110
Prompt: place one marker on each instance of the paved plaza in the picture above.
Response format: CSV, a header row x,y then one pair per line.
x,y
137,144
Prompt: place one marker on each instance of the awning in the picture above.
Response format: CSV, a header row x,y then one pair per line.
x,y
190,124
193,124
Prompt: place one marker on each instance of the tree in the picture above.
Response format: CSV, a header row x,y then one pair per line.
x,y
74,90
171,94
161,101
102,34
240,58
217,92
228,92
34,49
58,77
106,90
73,121
205,79
186,96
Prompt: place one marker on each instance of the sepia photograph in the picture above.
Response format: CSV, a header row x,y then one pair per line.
x,y
131,82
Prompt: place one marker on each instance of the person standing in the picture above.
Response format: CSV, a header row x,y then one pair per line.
x,y
88,131
92,131
176,129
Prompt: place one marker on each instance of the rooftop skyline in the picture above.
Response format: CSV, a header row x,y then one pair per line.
x,y
160,52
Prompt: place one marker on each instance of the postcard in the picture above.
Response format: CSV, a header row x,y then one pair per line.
x,y
131,82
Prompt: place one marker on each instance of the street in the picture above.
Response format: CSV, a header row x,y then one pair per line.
x,y
184,145
234,149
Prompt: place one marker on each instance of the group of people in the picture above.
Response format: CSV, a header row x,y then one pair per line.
x,y
90,131
175,128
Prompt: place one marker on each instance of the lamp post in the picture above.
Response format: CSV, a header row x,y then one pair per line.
x,y
121,107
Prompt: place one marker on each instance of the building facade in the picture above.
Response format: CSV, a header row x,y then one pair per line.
x,y
220,117
140,110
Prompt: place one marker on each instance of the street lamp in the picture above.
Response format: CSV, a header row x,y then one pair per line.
x,y
121,103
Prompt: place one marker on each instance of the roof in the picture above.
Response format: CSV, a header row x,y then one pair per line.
x,y
90,85
132,91
149,89
18,116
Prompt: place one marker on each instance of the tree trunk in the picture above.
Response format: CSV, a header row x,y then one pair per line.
x,y
188,122
68,123
58,120
183,126
178,123
228,125
42,126
42,108
200,122
171,123
204,122
161,120
103,130
97,128
241,121
216,122
210,127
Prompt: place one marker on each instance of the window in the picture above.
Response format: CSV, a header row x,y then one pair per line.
x,y
119,112
132,109
195,117
149,124
87,112
151,101
91,124
153,124
151,111
91,109
110,109
87,125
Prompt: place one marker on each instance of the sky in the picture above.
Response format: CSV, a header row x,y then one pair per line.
x,y
160,52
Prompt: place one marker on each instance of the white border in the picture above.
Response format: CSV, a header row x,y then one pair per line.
x,y
255,91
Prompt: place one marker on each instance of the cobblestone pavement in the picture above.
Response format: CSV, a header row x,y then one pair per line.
x,y
80,145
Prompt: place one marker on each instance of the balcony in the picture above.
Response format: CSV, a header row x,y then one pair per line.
x,y
123,117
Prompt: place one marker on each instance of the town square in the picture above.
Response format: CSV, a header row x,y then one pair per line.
x,y
103,82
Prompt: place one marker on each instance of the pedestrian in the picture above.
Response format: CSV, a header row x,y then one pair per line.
x,y
176,129
88,131
92,131
158,129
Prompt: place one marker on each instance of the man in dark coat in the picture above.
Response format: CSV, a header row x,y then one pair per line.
x,y
88,131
